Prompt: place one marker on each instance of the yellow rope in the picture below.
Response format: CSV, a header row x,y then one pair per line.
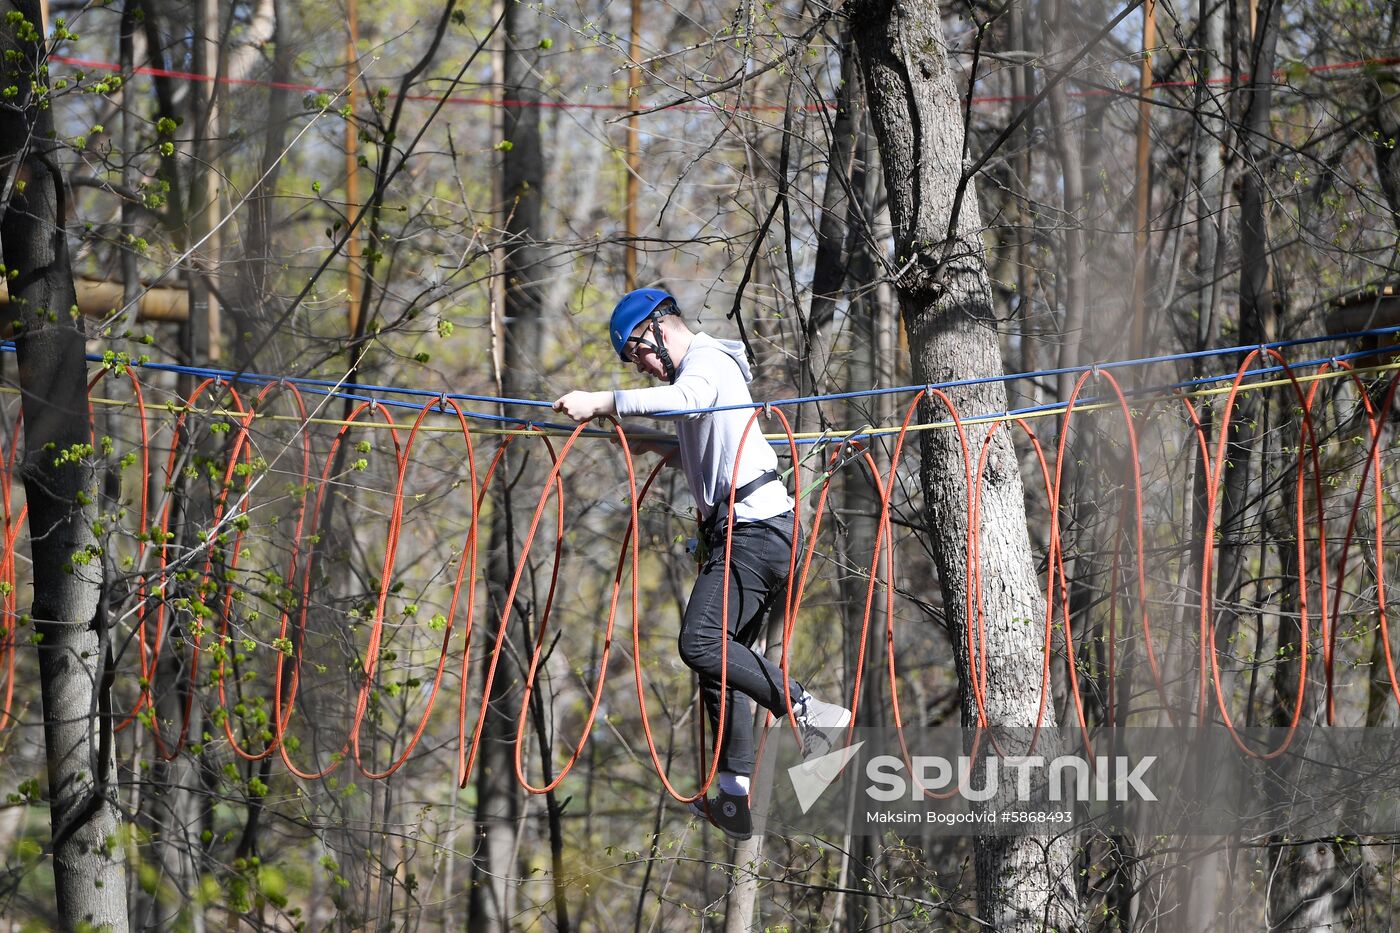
x,y
834,436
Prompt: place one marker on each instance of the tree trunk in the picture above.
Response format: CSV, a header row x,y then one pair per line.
x,y
1078,503
1072,255
829,265
259,305
1383,97
201,330
60,483
741,913
126,44
1210,186
1024,883
859,502
170,803
1258,324
1022,87
1203,886
834,236
500,803
1311,884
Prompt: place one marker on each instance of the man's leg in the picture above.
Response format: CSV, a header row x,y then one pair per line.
x,y
736,744
816,721
713,640
757,576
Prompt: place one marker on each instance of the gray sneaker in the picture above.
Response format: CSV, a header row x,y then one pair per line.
x,y
817,723
728,812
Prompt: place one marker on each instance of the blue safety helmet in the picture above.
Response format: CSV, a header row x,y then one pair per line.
x,y
634,308
643,304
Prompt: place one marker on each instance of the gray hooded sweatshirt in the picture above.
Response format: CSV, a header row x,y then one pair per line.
x,y
714,373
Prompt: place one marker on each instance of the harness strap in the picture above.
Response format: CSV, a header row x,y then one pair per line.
x,y
714,522
754,485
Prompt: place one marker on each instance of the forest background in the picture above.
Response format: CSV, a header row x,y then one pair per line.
x,y
449,197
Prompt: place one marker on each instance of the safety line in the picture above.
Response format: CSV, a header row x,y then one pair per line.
x,y
316,386
1095,367
868,431
354,391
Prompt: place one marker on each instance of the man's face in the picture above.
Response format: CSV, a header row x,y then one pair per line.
x,y
641,352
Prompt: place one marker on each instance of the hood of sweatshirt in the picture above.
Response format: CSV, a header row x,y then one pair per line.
x,y
733,348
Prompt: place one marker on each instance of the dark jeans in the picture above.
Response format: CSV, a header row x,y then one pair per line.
x,y
758,571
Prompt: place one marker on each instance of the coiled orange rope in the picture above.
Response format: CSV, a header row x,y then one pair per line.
x,y
213,594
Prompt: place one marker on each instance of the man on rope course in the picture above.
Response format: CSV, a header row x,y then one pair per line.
x,y
648,332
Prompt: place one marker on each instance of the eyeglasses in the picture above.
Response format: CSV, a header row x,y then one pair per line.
x,y
634,343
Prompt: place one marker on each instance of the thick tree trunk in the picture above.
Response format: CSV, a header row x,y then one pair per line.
x,y
60,484
255,268
1024,883
500,803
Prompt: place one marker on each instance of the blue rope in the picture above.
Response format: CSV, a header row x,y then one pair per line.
x,y
1084,401
1088,367
360,391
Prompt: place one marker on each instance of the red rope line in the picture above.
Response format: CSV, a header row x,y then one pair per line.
x,y
151,71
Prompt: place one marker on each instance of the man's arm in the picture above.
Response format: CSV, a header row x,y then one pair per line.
x,y
695,388
582,406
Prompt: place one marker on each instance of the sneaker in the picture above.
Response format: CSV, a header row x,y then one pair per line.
x,y
728,812
816,723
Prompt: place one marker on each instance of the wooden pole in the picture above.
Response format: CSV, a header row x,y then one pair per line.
x,y
353,282
634,81
130,270
498,200
102,299
1144,190
214,122
202,217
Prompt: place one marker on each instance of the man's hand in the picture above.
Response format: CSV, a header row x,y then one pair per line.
x,y
583,406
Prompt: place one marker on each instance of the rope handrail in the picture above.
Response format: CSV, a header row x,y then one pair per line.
x,y
355,391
